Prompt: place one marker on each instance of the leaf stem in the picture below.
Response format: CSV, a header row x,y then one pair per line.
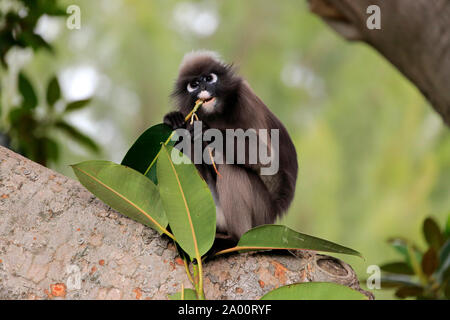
x,y
157,155
198,277
415,265
200,280
198,104
254,248
195,269
182,292
188,272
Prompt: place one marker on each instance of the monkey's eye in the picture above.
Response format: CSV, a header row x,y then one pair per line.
x,y
192,86
211,78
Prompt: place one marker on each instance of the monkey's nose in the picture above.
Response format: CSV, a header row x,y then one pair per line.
x,y
204,95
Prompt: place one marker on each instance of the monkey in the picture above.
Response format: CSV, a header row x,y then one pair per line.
x,y
244,198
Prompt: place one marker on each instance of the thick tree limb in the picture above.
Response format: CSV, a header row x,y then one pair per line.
x,y
50,227
414,37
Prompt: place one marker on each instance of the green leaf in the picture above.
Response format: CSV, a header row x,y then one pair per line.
x,y
28,94
281,237
125,190
401,246
432,233
444,255
188,203
445,274
447,227
398,268
77,105
409,291
314,291
447,290
34,40
189,294
16,115
77,135
396,280
51,148
430,262
144,151
53,91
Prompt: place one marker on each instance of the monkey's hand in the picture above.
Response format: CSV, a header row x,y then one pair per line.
x,y
175,120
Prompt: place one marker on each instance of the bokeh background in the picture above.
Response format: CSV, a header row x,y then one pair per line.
x,y
374,157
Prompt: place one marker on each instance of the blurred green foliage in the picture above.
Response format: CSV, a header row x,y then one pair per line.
x,y
26,128
374,157
18,22
421,274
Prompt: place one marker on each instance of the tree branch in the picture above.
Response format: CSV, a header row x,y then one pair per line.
x,y
51,227
414,37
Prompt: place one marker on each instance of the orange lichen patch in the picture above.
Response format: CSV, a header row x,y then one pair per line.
x,y
5,196
78,229
280,271
261,283
52,177
93,269
239,290
179,261
138,293
58,289
34,238
101,262
1,260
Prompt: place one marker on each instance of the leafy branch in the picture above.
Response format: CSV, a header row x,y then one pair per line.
x,y
27,126
31,131
422,274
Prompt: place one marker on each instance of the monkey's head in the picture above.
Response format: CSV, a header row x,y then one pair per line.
x,y
204,76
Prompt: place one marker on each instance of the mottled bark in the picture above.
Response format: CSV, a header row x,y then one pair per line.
x,y
414,37
51,226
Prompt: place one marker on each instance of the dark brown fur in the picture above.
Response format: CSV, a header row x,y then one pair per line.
x,y
246,198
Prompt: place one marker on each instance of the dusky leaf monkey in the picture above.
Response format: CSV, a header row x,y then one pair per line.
x,y
244,197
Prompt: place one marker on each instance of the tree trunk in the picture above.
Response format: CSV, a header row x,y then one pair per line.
x,y
414,37
58,241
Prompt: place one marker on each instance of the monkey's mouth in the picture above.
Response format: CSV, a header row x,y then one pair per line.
x,y
210,102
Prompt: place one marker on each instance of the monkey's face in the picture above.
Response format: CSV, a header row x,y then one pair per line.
x,y
204,88
208,80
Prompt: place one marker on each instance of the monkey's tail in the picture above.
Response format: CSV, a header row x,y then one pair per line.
x,y
283,199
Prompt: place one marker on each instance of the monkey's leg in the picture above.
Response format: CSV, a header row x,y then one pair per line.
x,y
244,199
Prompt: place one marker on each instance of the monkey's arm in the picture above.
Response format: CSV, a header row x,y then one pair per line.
x,y
175,120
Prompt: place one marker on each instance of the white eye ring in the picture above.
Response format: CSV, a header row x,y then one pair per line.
x,y
213,78
190,89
